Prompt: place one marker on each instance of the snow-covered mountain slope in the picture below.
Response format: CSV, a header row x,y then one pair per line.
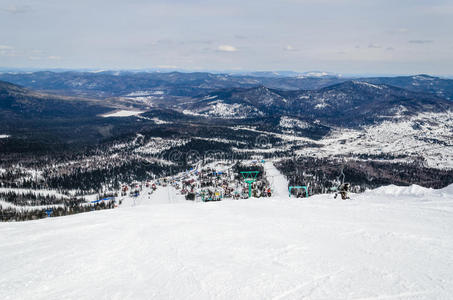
x,y
426,137
289,123
163,195
122,113
348,104
441,87
390,243
237,103
220,109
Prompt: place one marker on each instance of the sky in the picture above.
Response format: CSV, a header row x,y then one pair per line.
x,y
341,36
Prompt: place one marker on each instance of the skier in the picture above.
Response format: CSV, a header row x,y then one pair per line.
x,y
343,191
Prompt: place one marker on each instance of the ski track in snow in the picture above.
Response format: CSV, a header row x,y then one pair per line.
x,y
388,243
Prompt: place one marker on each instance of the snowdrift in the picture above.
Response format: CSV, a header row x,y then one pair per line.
x,y
413,191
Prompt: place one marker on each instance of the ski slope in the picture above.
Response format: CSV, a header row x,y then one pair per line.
x,y
163,195
278,181
389,243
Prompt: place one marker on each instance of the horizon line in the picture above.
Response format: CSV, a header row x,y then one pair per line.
x,y
213,71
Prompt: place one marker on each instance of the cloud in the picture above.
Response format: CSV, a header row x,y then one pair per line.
x,y
167,67
398,30
289,48
374,46
227,48
442,9
14,9
30,54
420,41
369,28
402,30
6,50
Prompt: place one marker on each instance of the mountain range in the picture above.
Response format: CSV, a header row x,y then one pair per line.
x,y
348,103
115,83
87,108
204,97
106,127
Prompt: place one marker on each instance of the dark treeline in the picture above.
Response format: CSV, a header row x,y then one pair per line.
x,y
110,178
11,214
33,199
125,159
321,175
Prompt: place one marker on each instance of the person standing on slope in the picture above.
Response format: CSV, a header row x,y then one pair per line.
x,y
343,190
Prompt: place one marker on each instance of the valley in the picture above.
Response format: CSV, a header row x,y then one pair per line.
x,y
59,138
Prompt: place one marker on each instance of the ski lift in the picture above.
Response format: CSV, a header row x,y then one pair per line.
x,y
343,188
298,187
249,177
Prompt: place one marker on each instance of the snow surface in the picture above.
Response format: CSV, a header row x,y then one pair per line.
x,y
287,122
156,120
164,195
321,105
159,121
369,84
157,145
389,243
145,93
123,113
219,109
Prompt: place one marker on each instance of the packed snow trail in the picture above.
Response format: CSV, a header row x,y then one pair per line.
x,y
163,195
277,180
391,243
166,194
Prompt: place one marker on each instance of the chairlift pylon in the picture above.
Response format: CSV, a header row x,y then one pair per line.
x,y
249,177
